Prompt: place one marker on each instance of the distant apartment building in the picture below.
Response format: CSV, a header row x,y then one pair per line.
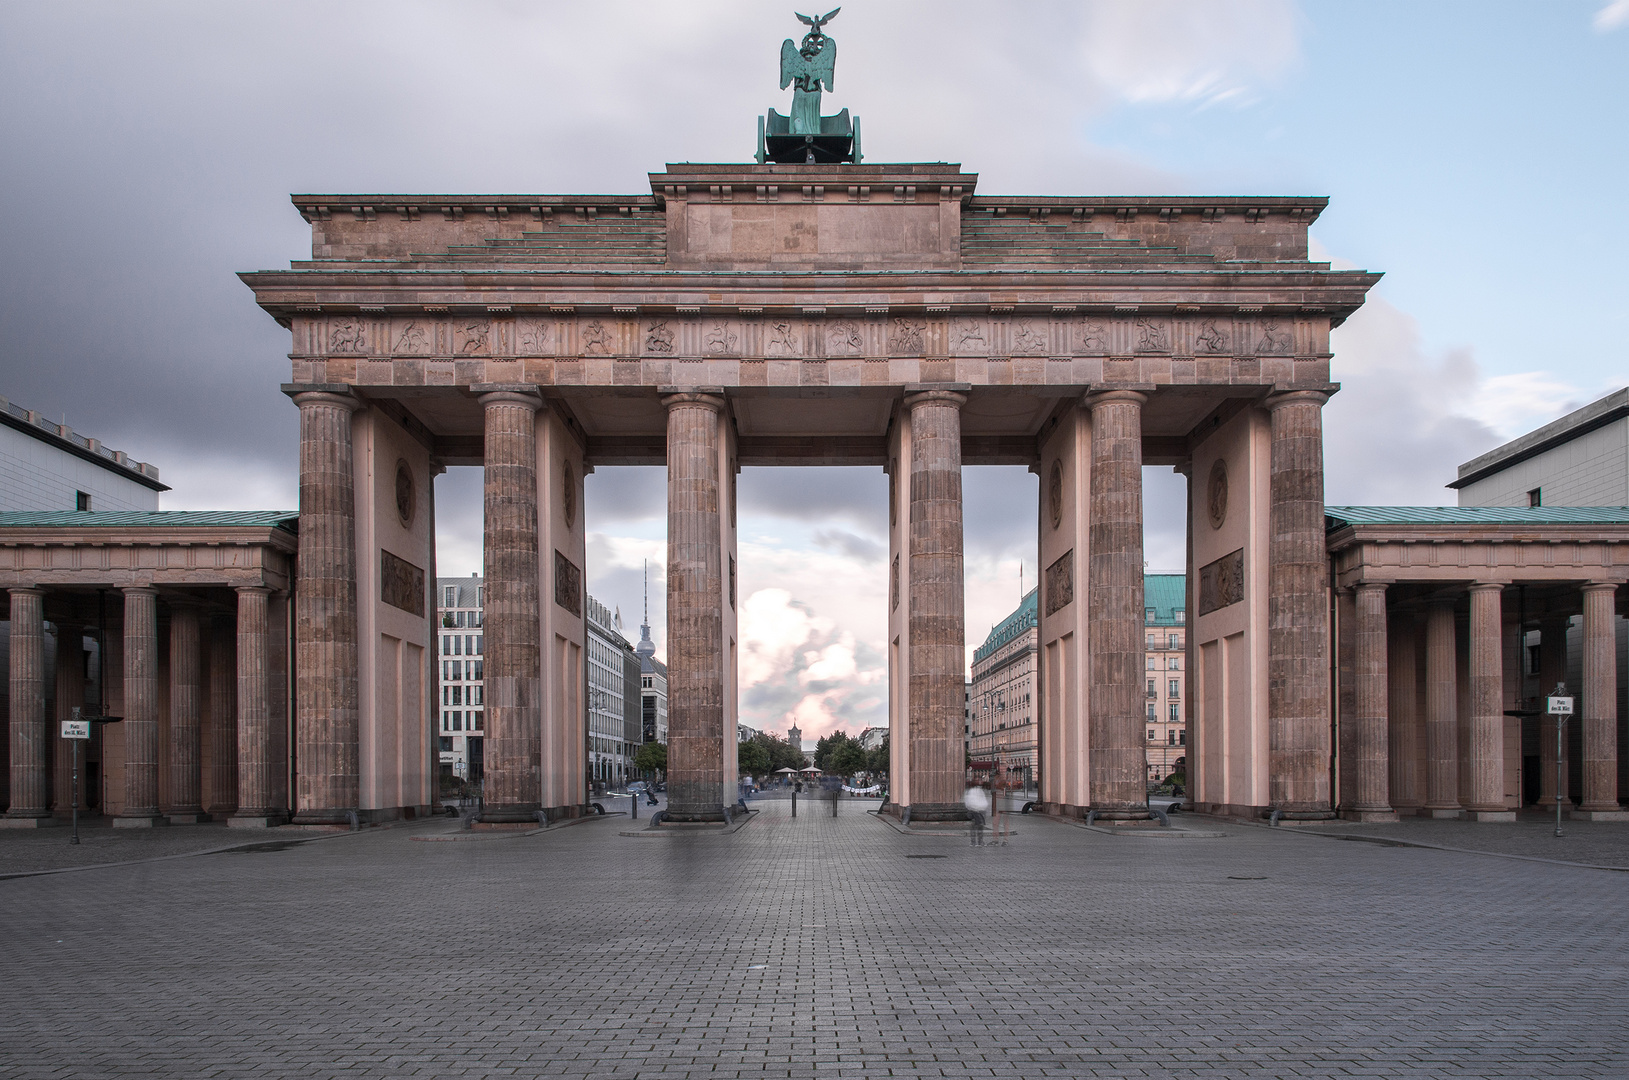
x,y
461,646
872,737
615,699
49,466
1003,699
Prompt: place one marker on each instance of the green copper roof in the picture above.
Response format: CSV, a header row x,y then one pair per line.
x,y
150,519
1022,618
1337,517
1166,594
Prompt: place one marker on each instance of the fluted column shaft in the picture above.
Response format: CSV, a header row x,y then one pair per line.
x,y
695,610
70,693
937,612
1369,747
1487,720
1441,713
1552,670
1297,610
514,719
255,762
327,659
1600,699
140,707
1403,727
1114,595
29,744
223,727
185,763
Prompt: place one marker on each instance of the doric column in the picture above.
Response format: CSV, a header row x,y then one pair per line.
x,y
1552,670
1297,610
223,716
1114,594
185,765
257,803
695,610
30,801
140,710
1371,766
514,718
328,783
1403,728
70,693
1600,701
1441,713
1487,719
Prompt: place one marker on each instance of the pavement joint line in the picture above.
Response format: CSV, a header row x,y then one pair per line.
x,y
1393,841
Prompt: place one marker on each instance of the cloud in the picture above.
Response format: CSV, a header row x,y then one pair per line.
x,y
1611,16
1205,53
800,667
855,547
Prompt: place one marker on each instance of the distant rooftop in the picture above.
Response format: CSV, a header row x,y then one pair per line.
x,y
1614,406
1338,517
1022,618
1167,596
65,438
288,520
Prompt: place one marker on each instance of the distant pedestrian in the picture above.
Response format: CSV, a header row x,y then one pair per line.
x,y
978,804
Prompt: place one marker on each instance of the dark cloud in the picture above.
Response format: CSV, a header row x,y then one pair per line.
x,y
855,547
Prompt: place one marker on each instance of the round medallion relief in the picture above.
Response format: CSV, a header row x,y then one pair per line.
x,y
568,493
1054,493
406,493
1216,494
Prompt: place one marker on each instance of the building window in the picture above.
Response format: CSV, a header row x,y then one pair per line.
x,y
1153,641
1173,664
451,599
1148,616
1182,738
1181,617
1150,687
1174,641
1151,735
1175,688
1535,497
1153,663
475,721
477,695
1176,713
445,743
480,596
1151,714
81,500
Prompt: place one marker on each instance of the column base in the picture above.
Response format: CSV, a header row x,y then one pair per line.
x,y
1122,814
1304,815
1615,814
188,817
140,821
325,816
1441,813
696,815
269,820
1369,815
938,812
43,821
1490,815
521,814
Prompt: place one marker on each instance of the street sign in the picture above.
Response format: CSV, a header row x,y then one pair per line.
x,y
1558,706
76,729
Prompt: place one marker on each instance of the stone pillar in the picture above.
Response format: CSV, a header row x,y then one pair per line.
x,y
1115,647
1441,714
1599,721
1369,801
328,783
70,693
514,718
1487,720
30,743
1403,728
1297,610
1552,670
186,717
258,806
695,610
140,710
223,719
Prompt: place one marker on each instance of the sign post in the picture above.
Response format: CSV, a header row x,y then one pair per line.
x,y
75,731
1558,705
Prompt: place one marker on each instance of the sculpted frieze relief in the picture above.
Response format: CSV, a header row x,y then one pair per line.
x,y
1211,337
1153,335
720,339
1030,337
905,336
595,338
659,337
348,334
533,337
783,337
470,337
969,336
844,338
1093,337
1275,337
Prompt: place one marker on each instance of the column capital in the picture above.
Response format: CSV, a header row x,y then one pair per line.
x,y
491,395
693,398
1599,586
1370,586
26,590
263,590
1093,398
333,396
1280,398
1486,586
138,590
918,398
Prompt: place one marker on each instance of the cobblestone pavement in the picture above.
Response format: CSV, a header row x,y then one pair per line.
x,y
820,947
1533,836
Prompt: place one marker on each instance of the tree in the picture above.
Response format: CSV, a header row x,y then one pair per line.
x,y
651,757
826,747
876,761
753,758
848,758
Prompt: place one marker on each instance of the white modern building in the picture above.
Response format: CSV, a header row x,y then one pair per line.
x,y
1581,459
615,723
461,645
49,466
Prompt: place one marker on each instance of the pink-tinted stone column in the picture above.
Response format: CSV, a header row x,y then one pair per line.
x,y
1486,800
70,693
1114,596
937,612
1297,610
328,785
140,710
257,764
695,610
223,715
1371,769
514,719
186,760
1403,727
30,744
1552,670
1441,713
1600,701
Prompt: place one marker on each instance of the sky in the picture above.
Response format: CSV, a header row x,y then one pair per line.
x,y
1473,152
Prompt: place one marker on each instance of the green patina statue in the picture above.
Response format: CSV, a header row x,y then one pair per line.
x,y
806,136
